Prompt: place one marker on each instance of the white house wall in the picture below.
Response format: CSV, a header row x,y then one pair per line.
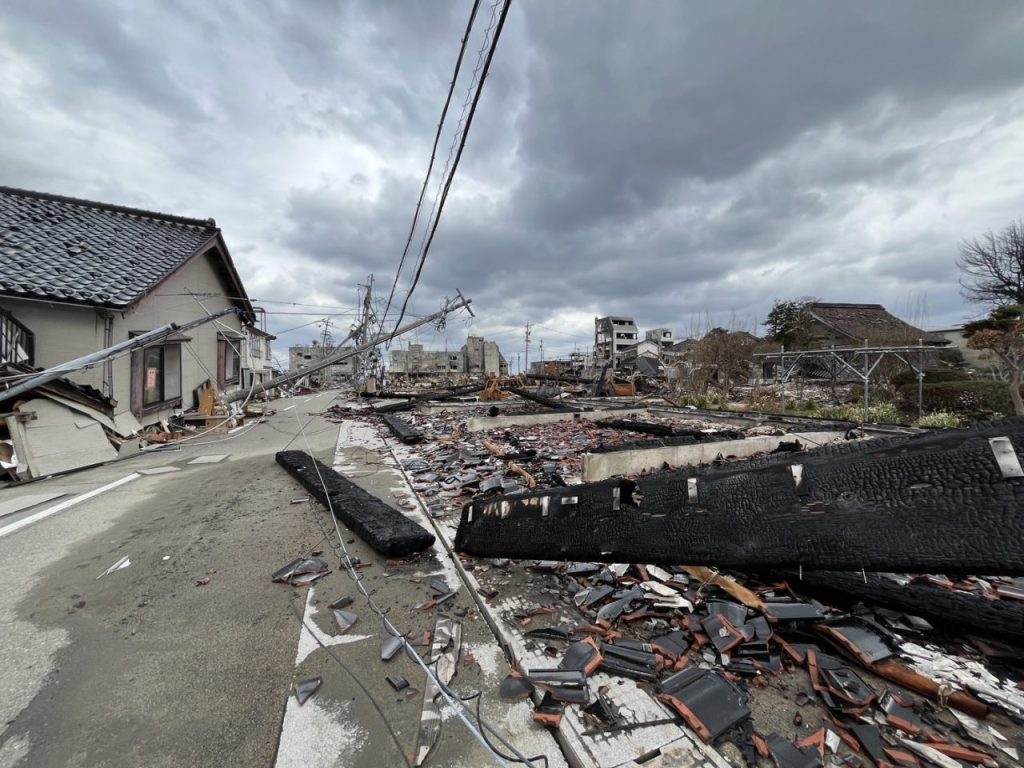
x,y
63,332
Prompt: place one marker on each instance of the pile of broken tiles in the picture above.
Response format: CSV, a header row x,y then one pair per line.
x,y
756,672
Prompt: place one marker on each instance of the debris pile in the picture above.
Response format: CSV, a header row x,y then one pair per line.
x,y
751,664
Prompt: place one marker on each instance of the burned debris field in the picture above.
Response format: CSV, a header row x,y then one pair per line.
x,y
793,593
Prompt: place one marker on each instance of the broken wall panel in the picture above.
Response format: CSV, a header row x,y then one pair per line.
x,y
932,503
384,528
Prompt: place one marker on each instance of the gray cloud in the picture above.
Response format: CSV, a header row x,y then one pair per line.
x,y
687,163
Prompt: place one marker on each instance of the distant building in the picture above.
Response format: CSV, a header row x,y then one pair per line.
x,y
306,356
979,359
612,335
476,357
415,360
483,357
661,336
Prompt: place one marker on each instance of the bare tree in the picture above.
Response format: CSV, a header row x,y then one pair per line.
x,y
993,266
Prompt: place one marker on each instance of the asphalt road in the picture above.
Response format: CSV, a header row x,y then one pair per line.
x,y
145,667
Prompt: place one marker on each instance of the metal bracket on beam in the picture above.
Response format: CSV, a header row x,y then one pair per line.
x,y
1006,457
691,488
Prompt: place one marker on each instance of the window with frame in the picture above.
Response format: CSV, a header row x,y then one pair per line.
x,y
156,377
228,363
255,347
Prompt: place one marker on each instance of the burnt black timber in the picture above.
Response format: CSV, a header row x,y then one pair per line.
x,y
385,529
931,503
948,610
639,445
564,378
545,401
646,427
402,429
449,393
667,430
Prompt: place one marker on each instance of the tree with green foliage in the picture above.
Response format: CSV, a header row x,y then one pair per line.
x,y
790,322
1002,334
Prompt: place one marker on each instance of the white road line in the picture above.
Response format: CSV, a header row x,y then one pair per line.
x,y
44,513
287,409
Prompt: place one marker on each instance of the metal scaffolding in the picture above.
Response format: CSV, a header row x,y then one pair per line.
x,y
861,362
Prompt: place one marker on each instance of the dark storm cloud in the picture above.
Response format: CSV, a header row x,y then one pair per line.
x,y
686,163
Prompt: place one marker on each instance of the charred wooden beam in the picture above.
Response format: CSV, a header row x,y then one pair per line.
x,y
402,429
545,401
646,427
449,393
385,529
947,609
935,503
667,430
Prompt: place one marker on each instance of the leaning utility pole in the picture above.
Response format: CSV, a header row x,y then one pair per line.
x,y
337,357
526,369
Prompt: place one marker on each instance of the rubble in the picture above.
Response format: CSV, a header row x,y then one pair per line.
x,y
755,665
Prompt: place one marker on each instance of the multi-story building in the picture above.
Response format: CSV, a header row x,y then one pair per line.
x,y
306,356
661,336
415,360
611,336
483,357
477,356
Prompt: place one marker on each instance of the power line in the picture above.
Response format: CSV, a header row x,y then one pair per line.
x,y
458,155
433,155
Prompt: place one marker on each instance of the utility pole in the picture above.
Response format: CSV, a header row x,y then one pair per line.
x,y
527,367
450,306
365,365
542,355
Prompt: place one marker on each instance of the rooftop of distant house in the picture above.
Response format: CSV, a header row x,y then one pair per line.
x,y
872,322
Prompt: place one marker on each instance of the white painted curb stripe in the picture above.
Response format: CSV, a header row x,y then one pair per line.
x,y
65,505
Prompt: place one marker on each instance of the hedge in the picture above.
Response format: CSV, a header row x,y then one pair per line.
x,y
958,396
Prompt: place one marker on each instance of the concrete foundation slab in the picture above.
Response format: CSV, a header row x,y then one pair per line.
x,y
600,466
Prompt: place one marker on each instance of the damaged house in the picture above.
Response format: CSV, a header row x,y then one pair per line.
x,y
78,276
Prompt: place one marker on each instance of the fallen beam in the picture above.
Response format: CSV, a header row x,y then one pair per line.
x,y
946,609
385,529
547,402
481,423
646,427
402,429
934,503
599,466
411,401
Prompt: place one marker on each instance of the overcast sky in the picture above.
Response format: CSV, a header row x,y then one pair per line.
x,y
684,163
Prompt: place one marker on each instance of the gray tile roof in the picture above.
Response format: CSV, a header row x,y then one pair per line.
x,y
78,251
